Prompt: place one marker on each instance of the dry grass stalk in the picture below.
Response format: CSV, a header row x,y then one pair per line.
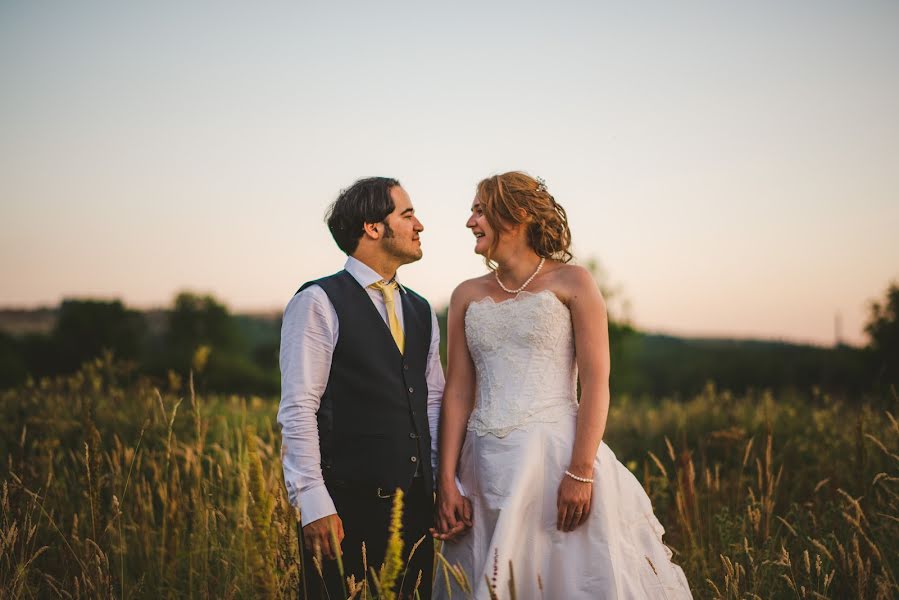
x,y
136,498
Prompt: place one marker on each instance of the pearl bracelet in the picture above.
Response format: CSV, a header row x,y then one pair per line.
x,y
577,478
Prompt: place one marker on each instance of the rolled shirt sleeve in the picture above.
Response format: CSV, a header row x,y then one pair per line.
x,y
308,336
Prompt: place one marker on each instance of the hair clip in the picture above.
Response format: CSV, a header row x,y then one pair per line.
x,y
541,184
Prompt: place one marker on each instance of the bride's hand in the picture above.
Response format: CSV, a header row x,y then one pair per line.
x,y
453,514
573,501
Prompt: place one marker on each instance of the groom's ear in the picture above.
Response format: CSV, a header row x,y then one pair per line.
x,y
372,230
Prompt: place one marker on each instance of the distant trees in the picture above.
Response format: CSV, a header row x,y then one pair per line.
x,y
883,330
622,335
200,321
227,353
200,327
239,354
85,328
663,365
13,369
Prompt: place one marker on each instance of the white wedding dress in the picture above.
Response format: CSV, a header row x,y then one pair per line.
x,y
518,445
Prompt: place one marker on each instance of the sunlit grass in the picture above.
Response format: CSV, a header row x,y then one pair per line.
x,y
115,488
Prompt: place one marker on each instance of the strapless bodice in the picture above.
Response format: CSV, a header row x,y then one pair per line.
x,y
523,354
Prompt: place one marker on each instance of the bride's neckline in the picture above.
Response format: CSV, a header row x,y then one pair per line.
x,y
517,298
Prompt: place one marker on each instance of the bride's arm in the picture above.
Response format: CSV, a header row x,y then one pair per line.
x,y
591,340
458,401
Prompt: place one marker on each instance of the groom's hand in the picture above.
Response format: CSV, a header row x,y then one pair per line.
x,y
454,516
322,533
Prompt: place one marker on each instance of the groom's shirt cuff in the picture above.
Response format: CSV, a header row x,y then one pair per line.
x,y
316,503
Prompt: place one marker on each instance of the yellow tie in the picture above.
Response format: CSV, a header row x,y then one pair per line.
x,y
392,320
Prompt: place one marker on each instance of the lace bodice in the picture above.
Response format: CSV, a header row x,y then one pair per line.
x,y
523,354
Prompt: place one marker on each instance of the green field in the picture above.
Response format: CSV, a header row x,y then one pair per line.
x,y
114,487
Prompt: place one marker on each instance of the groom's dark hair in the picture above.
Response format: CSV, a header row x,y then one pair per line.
x,y
366,201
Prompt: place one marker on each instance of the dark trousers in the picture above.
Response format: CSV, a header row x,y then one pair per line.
x,y
366,518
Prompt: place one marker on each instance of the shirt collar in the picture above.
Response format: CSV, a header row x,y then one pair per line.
x,y
364,274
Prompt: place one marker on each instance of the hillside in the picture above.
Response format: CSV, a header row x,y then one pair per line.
x,y
643,363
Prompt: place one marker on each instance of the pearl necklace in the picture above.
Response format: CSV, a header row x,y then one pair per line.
x,y
525,284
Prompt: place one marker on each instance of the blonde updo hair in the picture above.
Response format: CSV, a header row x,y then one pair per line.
x,y
516,197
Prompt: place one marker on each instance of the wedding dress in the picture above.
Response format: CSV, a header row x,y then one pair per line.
x,y
520,435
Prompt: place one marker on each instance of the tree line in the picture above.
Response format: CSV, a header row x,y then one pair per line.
x,y
239,353
226,352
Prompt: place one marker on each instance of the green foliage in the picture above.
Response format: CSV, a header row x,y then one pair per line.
x,y
12,364
240,354
261,505
84,330
112,488
201,320
883,330
132,493
243,351
660,365
87,328
238,350
762,496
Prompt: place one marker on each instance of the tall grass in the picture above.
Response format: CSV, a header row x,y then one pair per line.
x,y
124,493
794,498
113,488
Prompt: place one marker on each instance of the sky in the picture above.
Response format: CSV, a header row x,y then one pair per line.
x,y
734,167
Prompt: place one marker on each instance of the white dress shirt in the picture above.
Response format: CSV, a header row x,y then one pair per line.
x,y
309,334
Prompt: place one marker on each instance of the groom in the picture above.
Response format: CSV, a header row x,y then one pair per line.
x,y
361,385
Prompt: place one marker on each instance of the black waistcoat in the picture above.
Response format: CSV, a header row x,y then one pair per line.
x,y
373,422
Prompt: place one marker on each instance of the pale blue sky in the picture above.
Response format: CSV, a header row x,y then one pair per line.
x,y
735,167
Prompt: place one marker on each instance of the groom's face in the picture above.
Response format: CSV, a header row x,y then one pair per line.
x,y
401,238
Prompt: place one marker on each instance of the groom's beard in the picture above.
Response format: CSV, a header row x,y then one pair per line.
x,y
406,251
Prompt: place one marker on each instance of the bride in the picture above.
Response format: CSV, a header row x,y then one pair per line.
x,y
526,488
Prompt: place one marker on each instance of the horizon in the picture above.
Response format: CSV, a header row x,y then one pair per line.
x,y
276,312
734,169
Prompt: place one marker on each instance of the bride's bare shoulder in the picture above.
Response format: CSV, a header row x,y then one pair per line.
x,y
470,289
575,281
